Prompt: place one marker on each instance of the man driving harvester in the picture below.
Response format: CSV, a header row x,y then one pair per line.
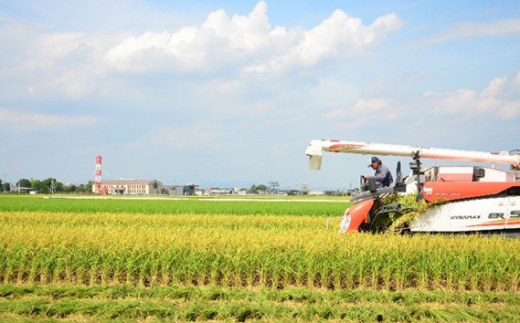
x,y
382,176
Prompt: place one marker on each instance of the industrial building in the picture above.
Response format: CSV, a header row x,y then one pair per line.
x,y
129,187
186,190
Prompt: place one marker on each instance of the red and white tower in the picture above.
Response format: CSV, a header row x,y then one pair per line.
x,y
97,174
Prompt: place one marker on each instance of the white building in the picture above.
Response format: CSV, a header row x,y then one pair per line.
x,y
130,187
317,192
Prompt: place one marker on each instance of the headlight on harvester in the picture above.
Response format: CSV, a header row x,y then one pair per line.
x,y
345,222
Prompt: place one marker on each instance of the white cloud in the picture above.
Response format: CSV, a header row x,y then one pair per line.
x,y
50,64
381,106
249,38
244,34
75,65
194,48
219,87
369,106
37,121
336,37
516,81
364,112
499,99
479,29
192,136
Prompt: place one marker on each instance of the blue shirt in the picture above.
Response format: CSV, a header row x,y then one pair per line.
x,y
383,177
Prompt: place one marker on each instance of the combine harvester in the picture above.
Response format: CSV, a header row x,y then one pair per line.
x,y
461,199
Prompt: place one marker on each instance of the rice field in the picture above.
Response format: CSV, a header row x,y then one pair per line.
x,y
259,206
101,260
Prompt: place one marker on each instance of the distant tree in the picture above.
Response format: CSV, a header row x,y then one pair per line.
x,y
6,187
24,183
36,185
46,186
58,187
261,187
69,188
84,188
88,187
51,185
255,189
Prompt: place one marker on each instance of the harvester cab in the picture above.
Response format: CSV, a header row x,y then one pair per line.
x,y
371,207
399,186
458,198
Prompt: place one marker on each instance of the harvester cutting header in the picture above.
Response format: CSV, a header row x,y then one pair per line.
x,y
461,198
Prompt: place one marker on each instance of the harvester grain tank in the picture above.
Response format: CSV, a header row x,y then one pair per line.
x,y
463,198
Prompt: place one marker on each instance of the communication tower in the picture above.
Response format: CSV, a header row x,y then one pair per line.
x,y
274,186
97,178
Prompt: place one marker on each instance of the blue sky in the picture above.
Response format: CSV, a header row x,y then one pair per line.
x,y
231,92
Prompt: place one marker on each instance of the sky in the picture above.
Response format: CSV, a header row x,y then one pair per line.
x,y
230,93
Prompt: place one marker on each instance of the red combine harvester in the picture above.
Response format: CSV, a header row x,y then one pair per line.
x,y
477,199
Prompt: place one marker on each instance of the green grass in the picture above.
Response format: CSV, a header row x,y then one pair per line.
x,y
170,206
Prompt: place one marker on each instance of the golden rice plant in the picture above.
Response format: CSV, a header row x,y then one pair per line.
x,y
249,250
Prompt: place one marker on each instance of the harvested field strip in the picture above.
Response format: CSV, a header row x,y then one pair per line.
x,y
254,251
189,304
290,295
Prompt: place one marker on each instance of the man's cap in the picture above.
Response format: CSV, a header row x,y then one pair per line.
x,y
373,160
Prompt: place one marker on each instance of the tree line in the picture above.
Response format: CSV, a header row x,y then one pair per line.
x,y
47,186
